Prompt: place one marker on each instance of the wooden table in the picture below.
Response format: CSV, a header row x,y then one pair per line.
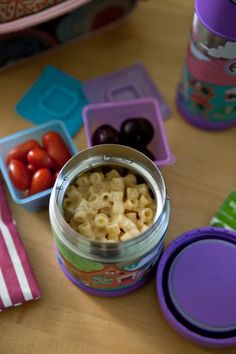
x,y
66,320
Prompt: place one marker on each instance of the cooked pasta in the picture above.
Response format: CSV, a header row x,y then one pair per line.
x,y
85,229
146,215
109,207
130,180
82,181
132,193
117,184
113,231
101,221
117,200
112,174
96,177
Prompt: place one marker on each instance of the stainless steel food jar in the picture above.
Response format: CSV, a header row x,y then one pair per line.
x,y
109,269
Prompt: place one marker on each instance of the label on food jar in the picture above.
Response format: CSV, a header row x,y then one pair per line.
x,y
107,276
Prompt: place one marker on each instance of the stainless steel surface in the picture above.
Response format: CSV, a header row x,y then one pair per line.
x,y
203,39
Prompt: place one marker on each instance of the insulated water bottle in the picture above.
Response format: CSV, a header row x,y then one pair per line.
x,y
206,95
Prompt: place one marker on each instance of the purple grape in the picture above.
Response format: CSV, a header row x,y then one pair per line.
x,y
136,132
148,153
145,151
105,134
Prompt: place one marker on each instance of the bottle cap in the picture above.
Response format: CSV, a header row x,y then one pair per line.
x,y
218,16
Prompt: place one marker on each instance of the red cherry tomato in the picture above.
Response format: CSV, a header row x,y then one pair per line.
x,y
31,168
55,176
42,179
20,151
19,175
40,158
56,148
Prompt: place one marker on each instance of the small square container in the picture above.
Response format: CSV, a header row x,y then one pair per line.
x,y
38,200
114,113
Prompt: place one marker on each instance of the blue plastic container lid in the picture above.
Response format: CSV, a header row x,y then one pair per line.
x,y
54,95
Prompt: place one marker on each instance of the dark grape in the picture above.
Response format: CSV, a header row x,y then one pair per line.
x,y
148,153
105,134
136,132
144,150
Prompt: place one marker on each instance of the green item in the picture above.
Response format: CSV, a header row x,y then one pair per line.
x,y
77,261
226,215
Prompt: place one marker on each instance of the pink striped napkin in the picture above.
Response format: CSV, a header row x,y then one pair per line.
x,y
17,281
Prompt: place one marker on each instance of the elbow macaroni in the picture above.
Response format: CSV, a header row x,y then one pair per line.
x,y
109,207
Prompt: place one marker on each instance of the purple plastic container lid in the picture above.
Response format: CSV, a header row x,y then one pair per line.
x,y
196,286
126,84
218,16
209,281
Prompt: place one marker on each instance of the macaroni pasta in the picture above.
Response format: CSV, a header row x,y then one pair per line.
x,y
109,207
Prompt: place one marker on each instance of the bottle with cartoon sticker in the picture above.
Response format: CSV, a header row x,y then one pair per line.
x,y
206,95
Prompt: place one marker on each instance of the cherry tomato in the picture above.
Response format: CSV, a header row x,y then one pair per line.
x,y
31,168
56,148
42,179
40,158
55,176
19,175
20,151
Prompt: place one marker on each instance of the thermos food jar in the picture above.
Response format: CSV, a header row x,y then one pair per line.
x,y
109,268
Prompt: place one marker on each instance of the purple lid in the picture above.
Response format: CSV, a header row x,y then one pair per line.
x,y
132,82
218,16
199,292
196,285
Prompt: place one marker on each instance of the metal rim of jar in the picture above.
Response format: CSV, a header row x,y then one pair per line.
x,y
110,155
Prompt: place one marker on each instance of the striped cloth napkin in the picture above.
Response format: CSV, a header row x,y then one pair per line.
x,y
17,282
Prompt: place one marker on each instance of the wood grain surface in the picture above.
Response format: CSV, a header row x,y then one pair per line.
x,y
66,320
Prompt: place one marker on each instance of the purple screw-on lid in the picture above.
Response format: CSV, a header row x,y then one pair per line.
x,y
218,16
196,285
